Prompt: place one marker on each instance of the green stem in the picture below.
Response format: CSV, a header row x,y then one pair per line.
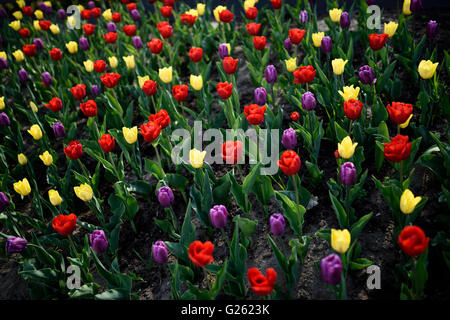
x,y
72,245
225,236
294,181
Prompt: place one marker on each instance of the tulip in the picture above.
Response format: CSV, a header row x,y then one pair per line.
x,y
260,284
61,13
54,197
15,244
390,28
165,197
4,120
349,93
39,14
399,112
427,69
23,75
137,42
129,60
224,50
64,225
113,62
18,15
84,44
296,35
84,192
54,28
111,27
196,82
303,17
130,135
2,103
135,15
340,240
98,241
58,129
412,241
159,251
3,64
3,13
377,41
408,202
254,114
4,202
335,14
289,138
36,25
218,215
15,25
308,101
46,158
196,158
432,29
270,73
107,15
229,65
201,9
231,151
110,80
344,20
352,109
287,44
72,47
22,187
398,149
165,74
150,131
38,43
277,224
291,64
331,269
224,89
289,162
142,80
201,253
260,95
347,174
326,44
366,75
295,116
217,11
415,5
22,159
338,66
89,65
346,148
35,131
18,55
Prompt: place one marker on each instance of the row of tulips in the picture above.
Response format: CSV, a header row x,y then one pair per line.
x,y
139,91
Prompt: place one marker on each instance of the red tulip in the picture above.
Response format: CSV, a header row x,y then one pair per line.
x,y
117,17
96,12
110,37
188,18
195,54
180,92
55,104
251,13
352,109
166,11
262,285
231,151
24,32
276,4
165,29
398,149
399,112
295,116
377,41
296,35
110,80
259,42
131,7
226,16
412,241
100,66
64,225
162,118
79,91
254,113
89,108
107,143
55,54
150,131
289,162
155,46
74,150
253,28
149,87
224,89
86,14
230,65
201,253
89,29
45,24
129,30
304,74
29,50
28,11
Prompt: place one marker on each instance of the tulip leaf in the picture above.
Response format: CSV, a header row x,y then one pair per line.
x,y
339,210
360,263
294,213
358,226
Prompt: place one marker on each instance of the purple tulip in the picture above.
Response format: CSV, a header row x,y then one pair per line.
x,y
165,197
331,269
15,244
23,75
432,29
91,4
366,75
111,26
61,14
415,5
137,42
289,138
288,44
47,78
159,251
308,101
371,2
98,241
3,64
4,120
345,20
223,51
135,15
260,96
277,224
38,43
218,215
4,202
84,44
58,129
3,13
326,44
303,17
270,74
95,90
347,174
45,8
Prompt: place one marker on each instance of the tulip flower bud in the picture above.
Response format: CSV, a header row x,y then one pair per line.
x,y
35,131
223,51
46,158
432,29
72,46
326,44
196,158
135,15
346,148
196,82
270,73
54,197
408,202
335,14
366,75
84,192
340,240
308,101
22,187
58,129
159,251
303,17
260,95
137,42
415,5
4,120
338,66
165,74
289,138
61,14
218,215
331,269
38,43
111,26
47,78
349,93
347,174
23,75
84,44
98,241
22,159
345,20
15,244
91,5
4,202
427,69
291,64
3,64
165,197
287,44
277,224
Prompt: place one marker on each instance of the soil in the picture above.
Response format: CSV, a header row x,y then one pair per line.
x,y
376,240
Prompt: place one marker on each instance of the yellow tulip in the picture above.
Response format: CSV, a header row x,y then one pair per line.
x,y
80,7
48,3
165,74
390,28
18,15
21,3
129,62
249,3
33,107
54,197
346,148
291,64
196,82
22,159
89,65
2,103
141,80
217,11
107,15
72,46
113,62
427,68
46,158
406,7
84,192
35,132
3,55
406,123
22,187
196,158
15,25
54,28
71,22
36,25
39,14
130,135
349,93
193,12
18,54
200,9
335,14
408,202
338,66
317,38
340,240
